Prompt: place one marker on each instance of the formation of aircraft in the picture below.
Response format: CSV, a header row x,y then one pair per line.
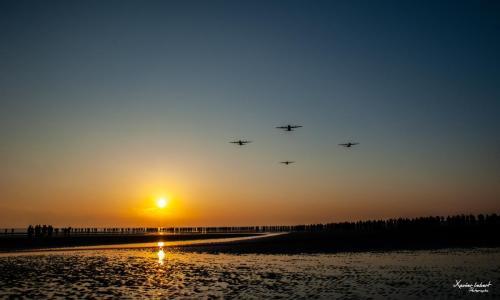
x,y
240,142
289,127
348,145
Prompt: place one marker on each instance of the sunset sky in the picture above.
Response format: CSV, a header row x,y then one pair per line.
x,y
107,106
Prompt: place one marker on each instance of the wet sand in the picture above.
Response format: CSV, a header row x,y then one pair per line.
x,y
145,274
298,265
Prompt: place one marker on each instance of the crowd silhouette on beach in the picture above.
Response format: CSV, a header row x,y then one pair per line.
x,y
46,231
421,224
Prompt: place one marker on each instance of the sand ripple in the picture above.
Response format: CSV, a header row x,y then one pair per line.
x,y
131,274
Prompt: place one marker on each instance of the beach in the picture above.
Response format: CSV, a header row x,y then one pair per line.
x,y
155,273
298,265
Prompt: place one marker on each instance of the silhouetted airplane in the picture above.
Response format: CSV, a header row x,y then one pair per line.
x,y
289,127
240,142
287,162
348,145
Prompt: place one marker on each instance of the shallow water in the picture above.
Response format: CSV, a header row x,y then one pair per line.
x,y
163,240
161,273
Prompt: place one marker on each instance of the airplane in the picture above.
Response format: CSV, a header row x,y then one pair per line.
x,y
289,127
348,145
241,142
287,162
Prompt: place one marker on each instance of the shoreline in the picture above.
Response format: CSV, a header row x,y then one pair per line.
x,y
261,243
334,242
23,243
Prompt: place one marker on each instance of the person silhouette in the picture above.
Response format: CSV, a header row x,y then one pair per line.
x,y
30,231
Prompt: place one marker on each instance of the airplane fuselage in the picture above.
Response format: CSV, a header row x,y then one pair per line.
x,y
288,127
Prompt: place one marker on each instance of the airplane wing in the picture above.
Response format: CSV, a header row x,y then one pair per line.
x,y
343,144
282,127
296,126
246,142
234,142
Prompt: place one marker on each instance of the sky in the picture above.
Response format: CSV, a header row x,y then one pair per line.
x,y
107,106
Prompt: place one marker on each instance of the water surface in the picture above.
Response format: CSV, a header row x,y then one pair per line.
x,y
164,273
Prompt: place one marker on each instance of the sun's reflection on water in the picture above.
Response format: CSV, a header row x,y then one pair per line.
x,y
161,253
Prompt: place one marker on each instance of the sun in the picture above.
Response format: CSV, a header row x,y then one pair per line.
x,y
161,202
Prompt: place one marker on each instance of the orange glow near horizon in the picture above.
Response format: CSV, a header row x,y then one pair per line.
x,y
159,209
194,196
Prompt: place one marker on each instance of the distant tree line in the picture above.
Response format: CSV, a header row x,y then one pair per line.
x,y
421,224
